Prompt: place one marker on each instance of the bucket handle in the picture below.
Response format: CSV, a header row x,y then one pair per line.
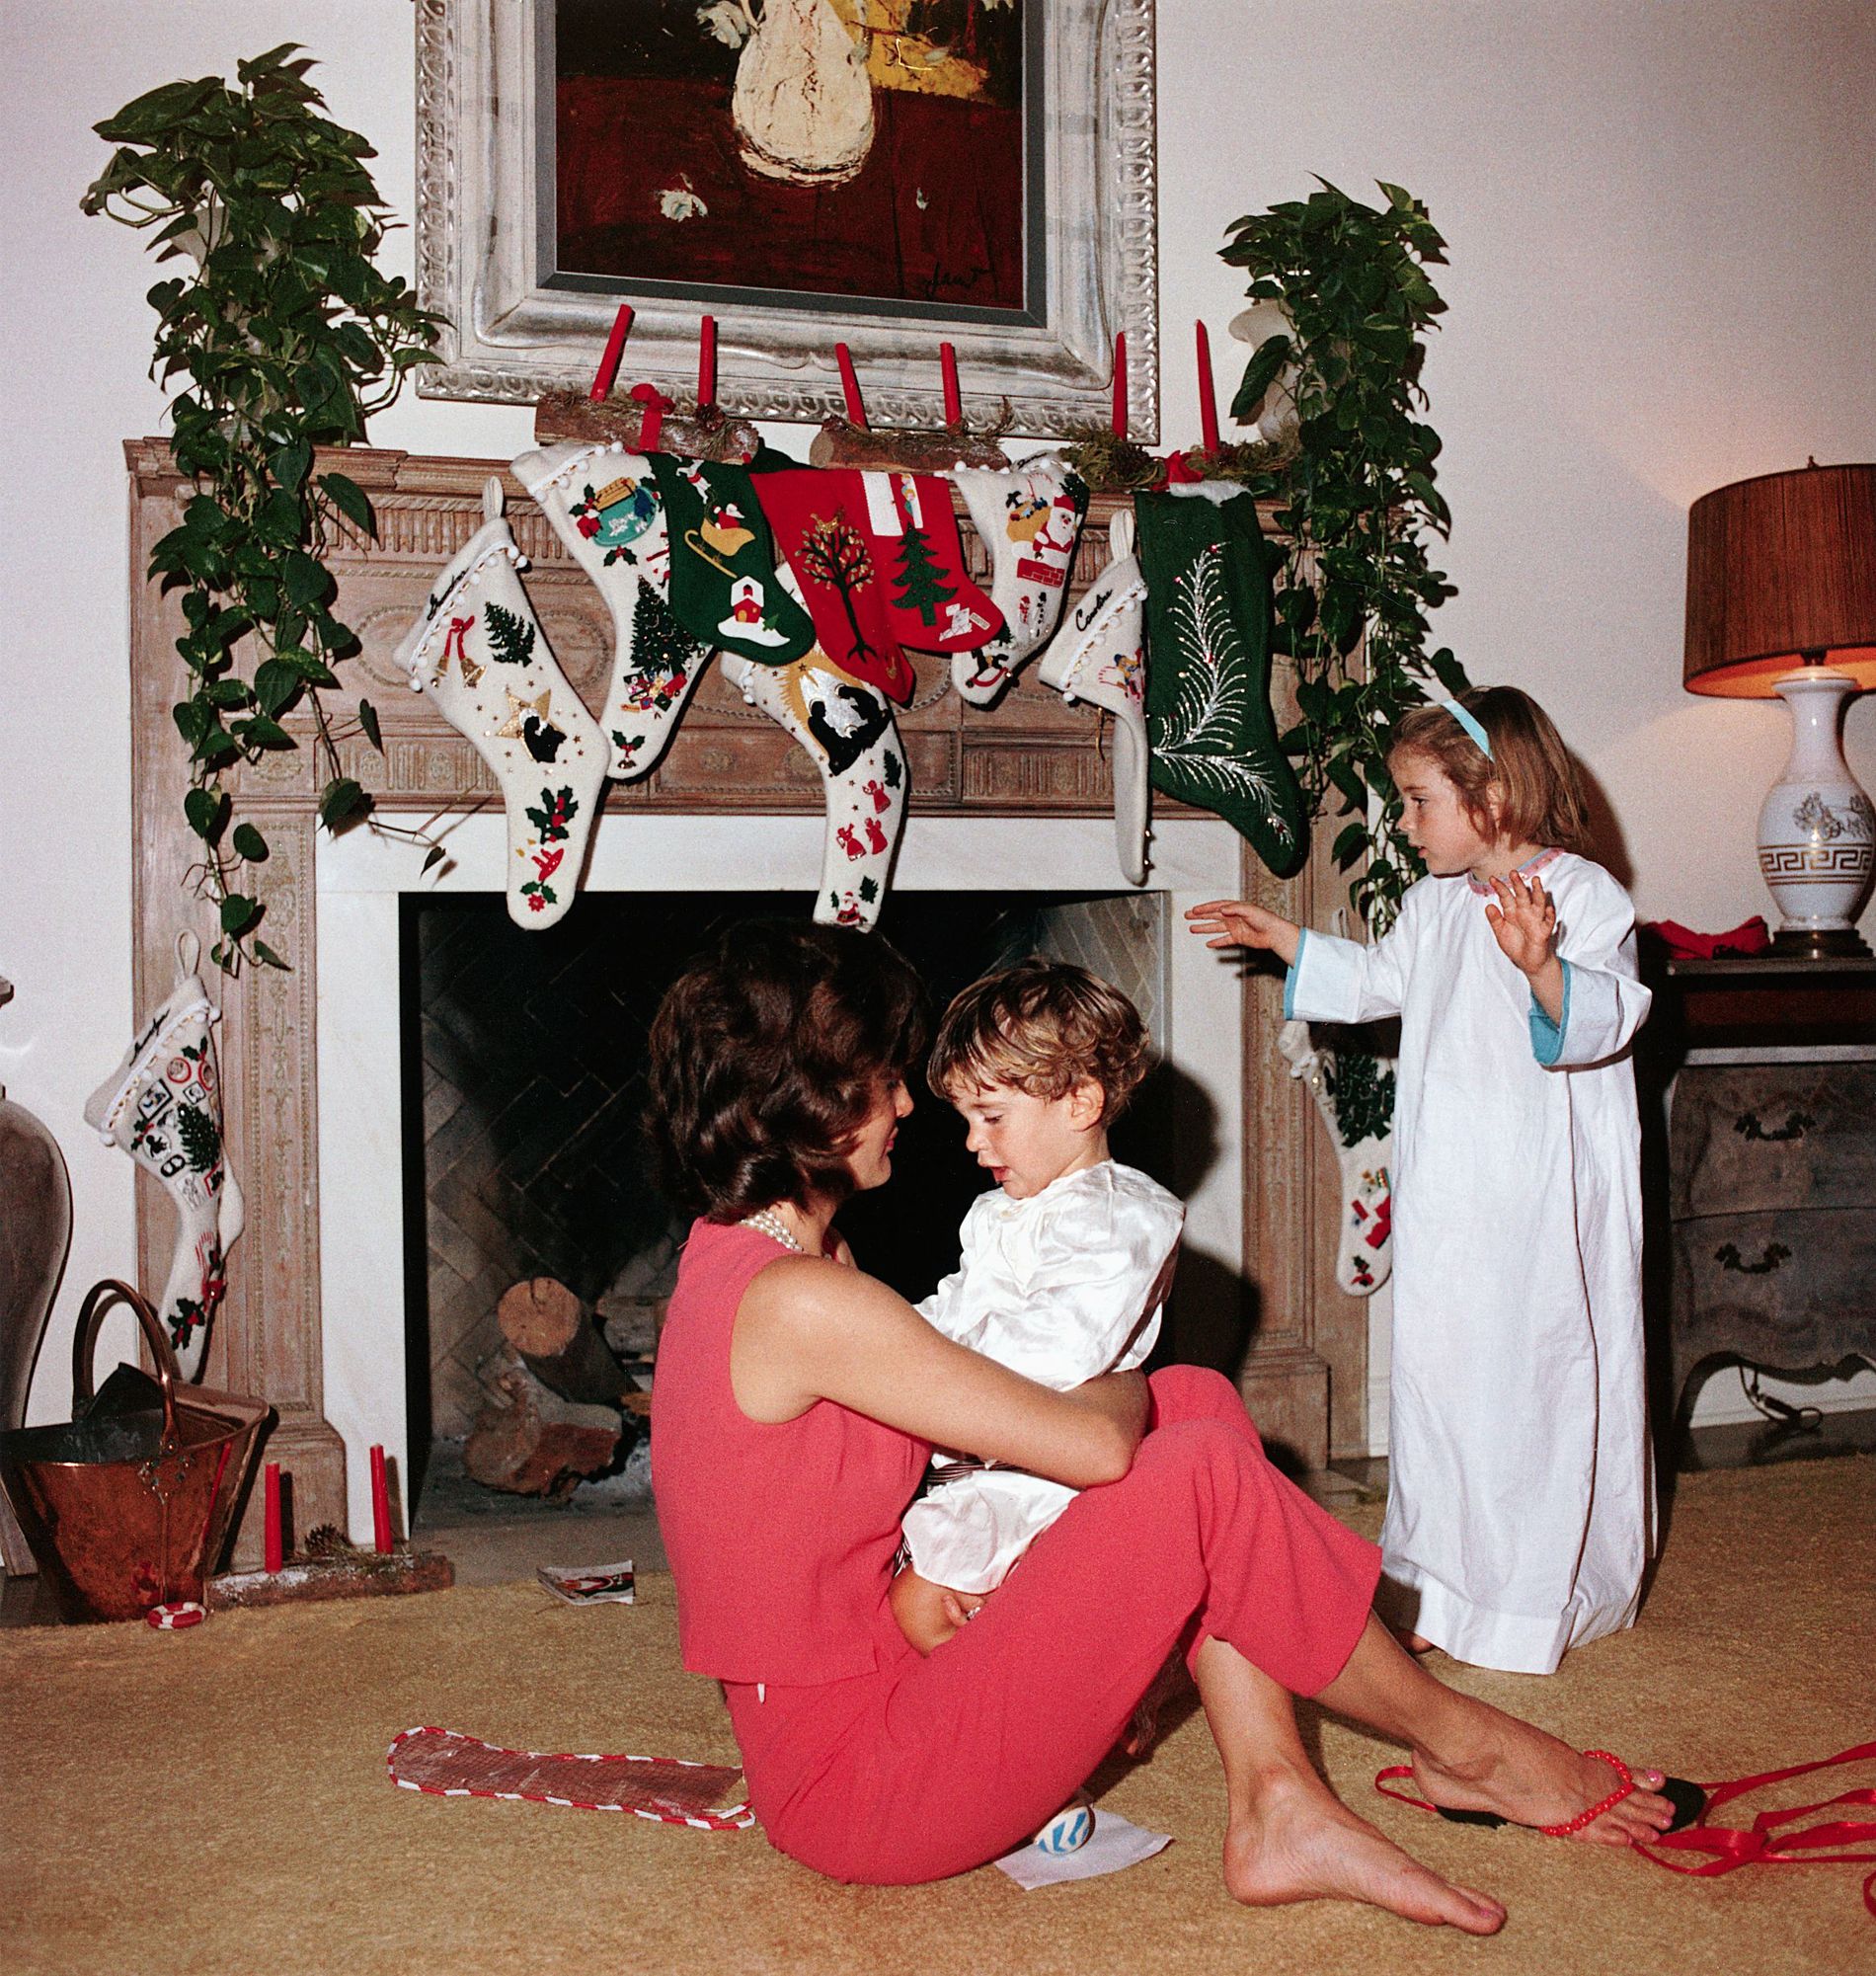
x,y
91,1315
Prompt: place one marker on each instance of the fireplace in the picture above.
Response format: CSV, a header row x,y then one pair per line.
x,y
1010,804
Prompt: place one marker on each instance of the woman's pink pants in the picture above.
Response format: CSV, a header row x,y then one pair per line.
x,y
929,1766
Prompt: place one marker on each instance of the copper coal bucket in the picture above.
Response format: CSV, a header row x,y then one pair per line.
x,y
129,1504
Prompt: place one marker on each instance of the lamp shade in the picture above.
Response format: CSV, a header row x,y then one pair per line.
x,y
1780,568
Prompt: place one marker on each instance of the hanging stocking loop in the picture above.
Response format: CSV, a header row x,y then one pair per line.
x,y
189,954
492,498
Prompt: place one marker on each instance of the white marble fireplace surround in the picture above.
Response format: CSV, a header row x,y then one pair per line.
x,y
359,880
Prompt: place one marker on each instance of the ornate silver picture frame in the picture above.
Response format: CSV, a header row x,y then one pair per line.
x,y
520,326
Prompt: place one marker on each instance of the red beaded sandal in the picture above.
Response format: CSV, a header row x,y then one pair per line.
x,y
1688,1800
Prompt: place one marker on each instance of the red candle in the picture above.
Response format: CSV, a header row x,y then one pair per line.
x,y
1208,398
380,1505
615,348
273,1554
707,364
850,384
1119,384
954,404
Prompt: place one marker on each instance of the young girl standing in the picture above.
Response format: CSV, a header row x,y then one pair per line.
x,y
1519,1513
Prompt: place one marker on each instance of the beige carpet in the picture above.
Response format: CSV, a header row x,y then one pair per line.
x,y
216,1801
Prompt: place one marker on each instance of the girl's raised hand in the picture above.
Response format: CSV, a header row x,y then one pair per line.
x,y
1236,922
1525,922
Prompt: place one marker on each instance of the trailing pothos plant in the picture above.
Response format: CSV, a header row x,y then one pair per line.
x,y
288,337
1356,494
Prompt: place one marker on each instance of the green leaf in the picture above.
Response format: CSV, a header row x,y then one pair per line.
x,y
276,684
250,843
1449,673
238,912
1348,845
369,719
291,465
264,953
307,583
207,811
349,499
434,856
262,732
160,110
342,801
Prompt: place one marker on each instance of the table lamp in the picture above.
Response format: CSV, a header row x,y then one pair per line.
x,y
1781,599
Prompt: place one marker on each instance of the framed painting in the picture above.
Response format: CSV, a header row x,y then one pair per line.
x,y
888,174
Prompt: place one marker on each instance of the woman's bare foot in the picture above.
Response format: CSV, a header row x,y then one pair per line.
x,y
1298,1843
1533,1779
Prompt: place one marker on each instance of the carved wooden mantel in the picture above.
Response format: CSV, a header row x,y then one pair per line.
x,y
1033,755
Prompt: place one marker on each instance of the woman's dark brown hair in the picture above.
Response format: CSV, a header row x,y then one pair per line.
x,y
1530,774
767,1056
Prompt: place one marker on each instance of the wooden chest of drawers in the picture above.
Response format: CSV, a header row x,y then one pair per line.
x,y
1771,1177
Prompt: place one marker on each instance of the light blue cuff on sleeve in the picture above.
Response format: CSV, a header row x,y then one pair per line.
x,y
1289,980
1546,1037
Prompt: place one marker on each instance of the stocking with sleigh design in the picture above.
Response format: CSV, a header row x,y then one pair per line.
x,y
479,655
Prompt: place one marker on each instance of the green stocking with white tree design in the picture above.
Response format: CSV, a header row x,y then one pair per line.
x,y
1214,739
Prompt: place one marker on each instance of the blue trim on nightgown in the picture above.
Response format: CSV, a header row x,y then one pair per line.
x,y
1546,1037
1289,979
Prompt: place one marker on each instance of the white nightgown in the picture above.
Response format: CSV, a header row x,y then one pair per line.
x,y
1521,1511
1061,1286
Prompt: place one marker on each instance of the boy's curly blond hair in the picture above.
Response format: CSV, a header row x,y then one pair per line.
x,y
1042,1027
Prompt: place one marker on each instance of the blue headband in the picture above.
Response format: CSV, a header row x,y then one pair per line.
x,y
1469,722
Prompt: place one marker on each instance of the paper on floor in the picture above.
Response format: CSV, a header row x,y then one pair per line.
x,y
1113,1845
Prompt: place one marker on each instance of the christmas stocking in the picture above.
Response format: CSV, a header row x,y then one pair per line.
x,y
847,727
603,504
822,528
1354,1091
1101,658
163,1106
1029,520
479,652
931,604
1207,696
723,588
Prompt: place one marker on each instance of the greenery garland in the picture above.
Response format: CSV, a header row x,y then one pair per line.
x,y
289,339
1356,494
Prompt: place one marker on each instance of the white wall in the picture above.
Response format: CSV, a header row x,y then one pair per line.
x,y
1661,279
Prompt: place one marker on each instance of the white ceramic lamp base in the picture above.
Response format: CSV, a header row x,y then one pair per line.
x,y
1816,830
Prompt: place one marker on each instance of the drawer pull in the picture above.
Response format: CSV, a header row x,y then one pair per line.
x,y
1728,1257
1794,1127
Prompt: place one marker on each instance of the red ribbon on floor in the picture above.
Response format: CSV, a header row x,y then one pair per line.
x,y
1764,1840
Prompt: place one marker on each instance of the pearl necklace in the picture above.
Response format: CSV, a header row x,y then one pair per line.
x,y
766,1221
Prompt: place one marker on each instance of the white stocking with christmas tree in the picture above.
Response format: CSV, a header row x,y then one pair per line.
x,y
1029,520
1101,657
847,727
162,1105
605,506
1354,1090
479,655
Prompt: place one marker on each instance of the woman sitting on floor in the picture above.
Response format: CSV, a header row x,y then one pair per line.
x,y
798,1403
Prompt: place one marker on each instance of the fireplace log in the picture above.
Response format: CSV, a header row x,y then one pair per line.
x,y
563,1347
530,1440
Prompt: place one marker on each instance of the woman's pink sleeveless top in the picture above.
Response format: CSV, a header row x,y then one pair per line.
x,y
781,1539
